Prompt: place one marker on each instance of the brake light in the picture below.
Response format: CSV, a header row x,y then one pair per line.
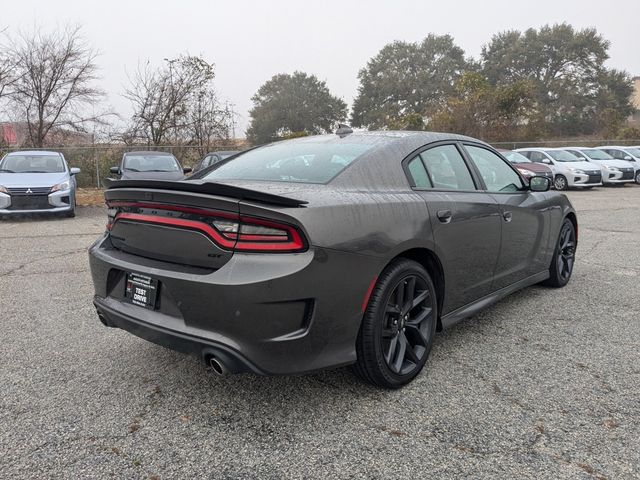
x,y
229,231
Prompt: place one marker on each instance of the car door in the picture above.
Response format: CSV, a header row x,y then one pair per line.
x,y
465,221
524,216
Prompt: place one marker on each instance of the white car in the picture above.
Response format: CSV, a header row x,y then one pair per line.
x,y
568,170
629,154
614,172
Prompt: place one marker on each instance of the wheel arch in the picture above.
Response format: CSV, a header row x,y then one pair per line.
x,y
574,220
431,263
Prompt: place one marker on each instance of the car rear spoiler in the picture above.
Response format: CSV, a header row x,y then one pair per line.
x,y
210,188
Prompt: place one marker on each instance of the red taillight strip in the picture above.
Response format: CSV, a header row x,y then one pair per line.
x,y
179,222
245,242
296,242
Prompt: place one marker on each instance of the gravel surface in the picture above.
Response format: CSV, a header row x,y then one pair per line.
x,y
544,384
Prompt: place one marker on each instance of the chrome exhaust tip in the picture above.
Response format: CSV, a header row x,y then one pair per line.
x,y
217,366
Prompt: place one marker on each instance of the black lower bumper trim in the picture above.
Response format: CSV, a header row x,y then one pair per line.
x,y
199,347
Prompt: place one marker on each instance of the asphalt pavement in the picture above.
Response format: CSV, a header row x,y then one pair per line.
x,y
545,384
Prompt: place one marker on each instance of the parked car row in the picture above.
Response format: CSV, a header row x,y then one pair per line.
x,y
42,181
579,167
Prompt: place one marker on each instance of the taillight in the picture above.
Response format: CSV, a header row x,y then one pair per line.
x,y
229,231
111,217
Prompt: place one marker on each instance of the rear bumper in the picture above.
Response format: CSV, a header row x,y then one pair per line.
x,y
233,360
263,313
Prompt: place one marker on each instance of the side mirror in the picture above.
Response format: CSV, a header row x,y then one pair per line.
x,y
628,157
187,169
115,170
74,171
546,160
539,184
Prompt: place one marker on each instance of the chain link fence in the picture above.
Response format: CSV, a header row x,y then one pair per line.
x,y
94,161
565,143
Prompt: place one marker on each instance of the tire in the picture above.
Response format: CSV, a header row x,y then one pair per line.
x,y
564,256
395,338
638,177
72,213
560,182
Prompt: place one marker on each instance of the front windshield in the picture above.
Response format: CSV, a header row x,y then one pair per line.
x,y
563,156
304,162
596,154
21,163
150,163
634,151
515,157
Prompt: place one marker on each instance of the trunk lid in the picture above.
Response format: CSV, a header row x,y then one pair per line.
x,y
188,223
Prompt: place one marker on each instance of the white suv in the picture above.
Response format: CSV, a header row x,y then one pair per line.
x,y
568,170
628,154
613,171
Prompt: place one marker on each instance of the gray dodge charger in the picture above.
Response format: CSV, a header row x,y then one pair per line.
x,y
354,248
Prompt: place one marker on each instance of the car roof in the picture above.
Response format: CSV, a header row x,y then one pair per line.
x,y
224,152
536,149
34,153
148,152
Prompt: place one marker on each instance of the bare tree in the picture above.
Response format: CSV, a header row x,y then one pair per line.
x,y
161,98
7,72
208,121
54,87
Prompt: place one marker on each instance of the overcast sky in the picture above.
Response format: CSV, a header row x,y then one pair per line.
x,y
249,41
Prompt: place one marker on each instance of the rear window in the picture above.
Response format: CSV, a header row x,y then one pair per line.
x,y
304,162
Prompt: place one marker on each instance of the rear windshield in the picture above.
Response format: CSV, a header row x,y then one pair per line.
x,y
304,162
515,157
150,163
32,164
563,156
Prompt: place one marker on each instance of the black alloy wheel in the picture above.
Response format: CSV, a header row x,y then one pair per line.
x,y
564,257
405,332
398,328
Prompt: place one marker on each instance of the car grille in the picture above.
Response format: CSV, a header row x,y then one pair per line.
x,y
30,191
627,173
594,178
30,202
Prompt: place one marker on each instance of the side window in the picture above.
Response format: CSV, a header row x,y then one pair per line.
x,y
418,173
536,157
526,154
619,154
206,162
447,169
498,176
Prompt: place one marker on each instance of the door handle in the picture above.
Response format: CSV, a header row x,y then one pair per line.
x,y
444,215
507,216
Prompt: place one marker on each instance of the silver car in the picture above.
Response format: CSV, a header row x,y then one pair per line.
x,y
568,170
37,182
614,172
628,154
